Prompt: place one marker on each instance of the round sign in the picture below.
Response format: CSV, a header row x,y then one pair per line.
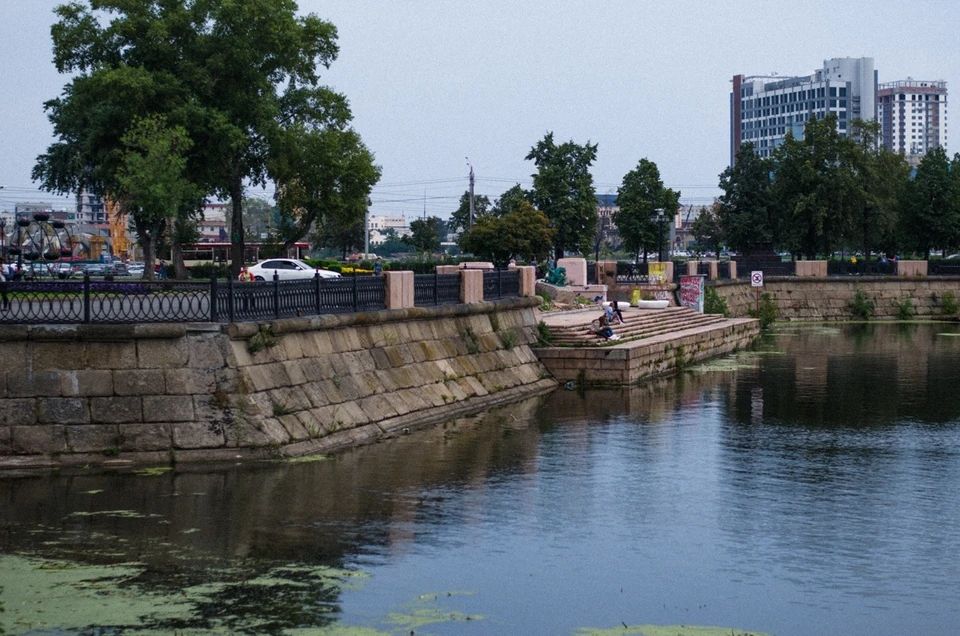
x,y
756,279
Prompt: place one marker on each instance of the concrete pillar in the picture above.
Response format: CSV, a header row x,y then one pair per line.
x,y
471,285
528,280
448,269
691,268
606,273
911,268
668,272
399,289
733,270
714,270
811,268
576,270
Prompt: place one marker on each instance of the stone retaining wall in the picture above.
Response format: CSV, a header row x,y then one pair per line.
x,y
815,299
104,394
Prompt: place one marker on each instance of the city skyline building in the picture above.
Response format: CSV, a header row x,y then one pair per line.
x,y
763,108
913,117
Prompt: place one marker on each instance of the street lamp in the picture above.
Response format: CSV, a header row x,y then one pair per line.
x,y
660,234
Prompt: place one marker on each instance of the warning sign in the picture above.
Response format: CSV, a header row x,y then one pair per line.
x,y
756,279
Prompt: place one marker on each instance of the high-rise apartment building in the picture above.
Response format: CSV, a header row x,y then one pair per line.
x,y
764,108
913,117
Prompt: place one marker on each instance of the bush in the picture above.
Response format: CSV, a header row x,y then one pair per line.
x,y
205,270
544,337
767,314
948,304
713,304
861,306
904,308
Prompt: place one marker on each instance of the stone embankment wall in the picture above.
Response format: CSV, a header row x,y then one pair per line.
x,y
115,394
815,299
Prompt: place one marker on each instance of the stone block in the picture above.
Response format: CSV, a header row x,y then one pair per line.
x,y
6,440
294,428
352,414
86,383
167,408
208,408
197,435
380,358
576,270
377,408
294,371
38,440
111,355
396,357
340,366
188,381
334,396
399,290
142,438
205,353
386,381
528,281
55,356
93,438
471,286
162,354
18,412
309,421
62,411
139,382
29,383
116,410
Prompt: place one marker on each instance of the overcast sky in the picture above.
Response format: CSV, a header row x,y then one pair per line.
x,y
431,83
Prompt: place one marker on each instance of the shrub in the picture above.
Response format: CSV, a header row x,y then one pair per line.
x,y
713,304
904,308
948,304
767,313
544,337
545,301
205,270
861,306
509,338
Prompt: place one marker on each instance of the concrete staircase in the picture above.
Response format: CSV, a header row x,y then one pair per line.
x,y
638,324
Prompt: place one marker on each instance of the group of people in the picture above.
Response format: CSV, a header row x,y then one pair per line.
x,y
611,315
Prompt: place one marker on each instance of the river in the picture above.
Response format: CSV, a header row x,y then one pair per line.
x,y
807,487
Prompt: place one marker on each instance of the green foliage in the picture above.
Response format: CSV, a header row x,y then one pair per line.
x,y
509,338
932,204
767,313
904,308
949,306
280,409
861,306
546,303
639,197
470,340
205,270
713,303
263,339
706,230
511,200
425,235
523,234
495,321
745,210
563,190
544,337
460,218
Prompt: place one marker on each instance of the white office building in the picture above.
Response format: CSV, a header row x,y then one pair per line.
x,y
913,117
763,108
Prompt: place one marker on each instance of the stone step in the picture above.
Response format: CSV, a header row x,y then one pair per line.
x,y
636,326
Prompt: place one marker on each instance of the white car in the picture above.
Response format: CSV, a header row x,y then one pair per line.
x,y
287,269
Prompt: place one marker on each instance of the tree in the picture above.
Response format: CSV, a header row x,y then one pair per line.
x,y
511,200
563,190
150,180
745,210
233,74
393,243
425,235
639,198
815,188
324,176
259,218
932,204
523,233
706,230
460,218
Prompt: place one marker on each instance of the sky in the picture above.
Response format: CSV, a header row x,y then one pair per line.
x,y
434,84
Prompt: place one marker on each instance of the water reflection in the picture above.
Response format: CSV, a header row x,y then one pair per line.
x,y
804,488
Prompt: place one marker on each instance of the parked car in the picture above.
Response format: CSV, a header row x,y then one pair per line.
x,y
287,269
136,269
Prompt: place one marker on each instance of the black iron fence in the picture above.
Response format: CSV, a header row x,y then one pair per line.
x,y
633,273
862,268
723,270
769,268
501,283
436,289
287,299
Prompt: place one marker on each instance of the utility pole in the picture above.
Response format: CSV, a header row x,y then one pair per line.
x,y
470,224
366,234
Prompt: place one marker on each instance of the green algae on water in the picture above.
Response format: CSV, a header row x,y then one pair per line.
x,y
154,471
664,630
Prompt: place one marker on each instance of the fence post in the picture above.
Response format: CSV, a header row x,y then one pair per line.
x,y
214,310
436,288
276,295
86,297
499,283
231,299
356,294
316,289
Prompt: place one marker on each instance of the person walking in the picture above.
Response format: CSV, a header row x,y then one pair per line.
x,y
3,285
378,267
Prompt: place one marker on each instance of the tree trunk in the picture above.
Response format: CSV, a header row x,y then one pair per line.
x,y
145,236
237,246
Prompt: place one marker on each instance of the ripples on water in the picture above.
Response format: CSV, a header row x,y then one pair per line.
x,y
808,488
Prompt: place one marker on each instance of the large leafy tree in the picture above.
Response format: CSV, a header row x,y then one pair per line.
x,y
233,74
641,196
523,233
745,210
563,190
706,230
151,183
424,235
931,216
460,218
816,188
512,199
